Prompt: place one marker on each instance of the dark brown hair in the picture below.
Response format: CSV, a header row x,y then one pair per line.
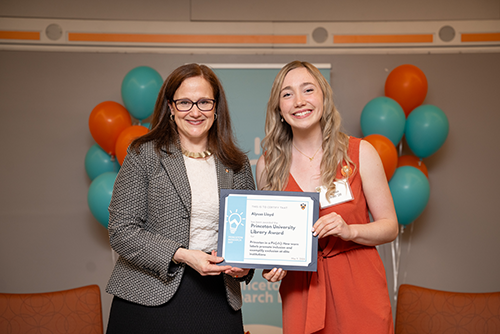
x,y
221,141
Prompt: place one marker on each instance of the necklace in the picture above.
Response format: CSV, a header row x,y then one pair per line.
x,y
310,158
196,155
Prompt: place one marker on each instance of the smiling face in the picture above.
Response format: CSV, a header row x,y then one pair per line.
x,y
193,125
301,99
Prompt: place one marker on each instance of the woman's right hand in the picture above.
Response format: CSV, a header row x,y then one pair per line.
x,y
274,275
205,264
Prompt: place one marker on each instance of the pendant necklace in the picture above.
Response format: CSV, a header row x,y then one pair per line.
x,y
310,158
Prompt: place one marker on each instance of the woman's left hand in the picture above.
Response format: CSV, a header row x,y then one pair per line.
x,y
332,224
237,272
274,275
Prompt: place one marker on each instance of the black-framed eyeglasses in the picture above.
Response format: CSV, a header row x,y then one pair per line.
x,y
187,104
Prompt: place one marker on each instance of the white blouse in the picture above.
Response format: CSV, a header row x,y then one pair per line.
x,y
204,203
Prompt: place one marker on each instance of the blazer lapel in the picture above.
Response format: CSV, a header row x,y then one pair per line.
x,y
224,176
176,171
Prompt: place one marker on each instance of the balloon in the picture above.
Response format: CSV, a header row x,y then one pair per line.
x,y
97,162
426,130
407,85
387,152
410,191
125,138
107,120
99,196
140,88
146,125
383,116
411,160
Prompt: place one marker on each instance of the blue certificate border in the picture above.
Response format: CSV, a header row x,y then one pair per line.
x,y
224,193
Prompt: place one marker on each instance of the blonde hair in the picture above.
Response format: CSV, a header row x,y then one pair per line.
x,y
277,144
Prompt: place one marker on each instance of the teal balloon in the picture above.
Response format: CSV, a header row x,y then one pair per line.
x,y
426,130
147,125
140,88
99,196
383,116
97,162
410,191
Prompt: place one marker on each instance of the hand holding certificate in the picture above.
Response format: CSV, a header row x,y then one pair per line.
x,y
267,229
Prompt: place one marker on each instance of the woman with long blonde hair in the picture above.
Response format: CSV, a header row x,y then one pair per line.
x,y
306,150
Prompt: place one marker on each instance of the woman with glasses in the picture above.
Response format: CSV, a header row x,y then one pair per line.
x,y
164,215
306,150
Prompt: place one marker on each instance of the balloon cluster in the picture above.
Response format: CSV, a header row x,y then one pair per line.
x,y
384,122
110,124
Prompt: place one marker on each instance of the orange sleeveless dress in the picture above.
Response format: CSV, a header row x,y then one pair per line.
x,y
348,294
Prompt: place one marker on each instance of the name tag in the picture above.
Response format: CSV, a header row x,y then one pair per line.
x,y
342,194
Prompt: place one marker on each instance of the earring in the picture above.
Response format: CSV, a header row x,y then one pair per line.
x,y
171,117
215,117
281,119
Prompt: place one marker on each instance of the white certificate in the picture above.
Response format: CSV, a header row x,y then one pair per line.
x,y
267,229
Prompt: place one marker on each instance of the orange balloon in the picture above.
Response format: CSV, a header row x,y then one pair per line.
x,y
387,152
107,120
411,160
407,85
125,138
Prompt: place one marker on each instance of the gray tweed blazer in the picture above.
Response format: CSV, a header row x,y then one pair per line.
x,y
149,219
